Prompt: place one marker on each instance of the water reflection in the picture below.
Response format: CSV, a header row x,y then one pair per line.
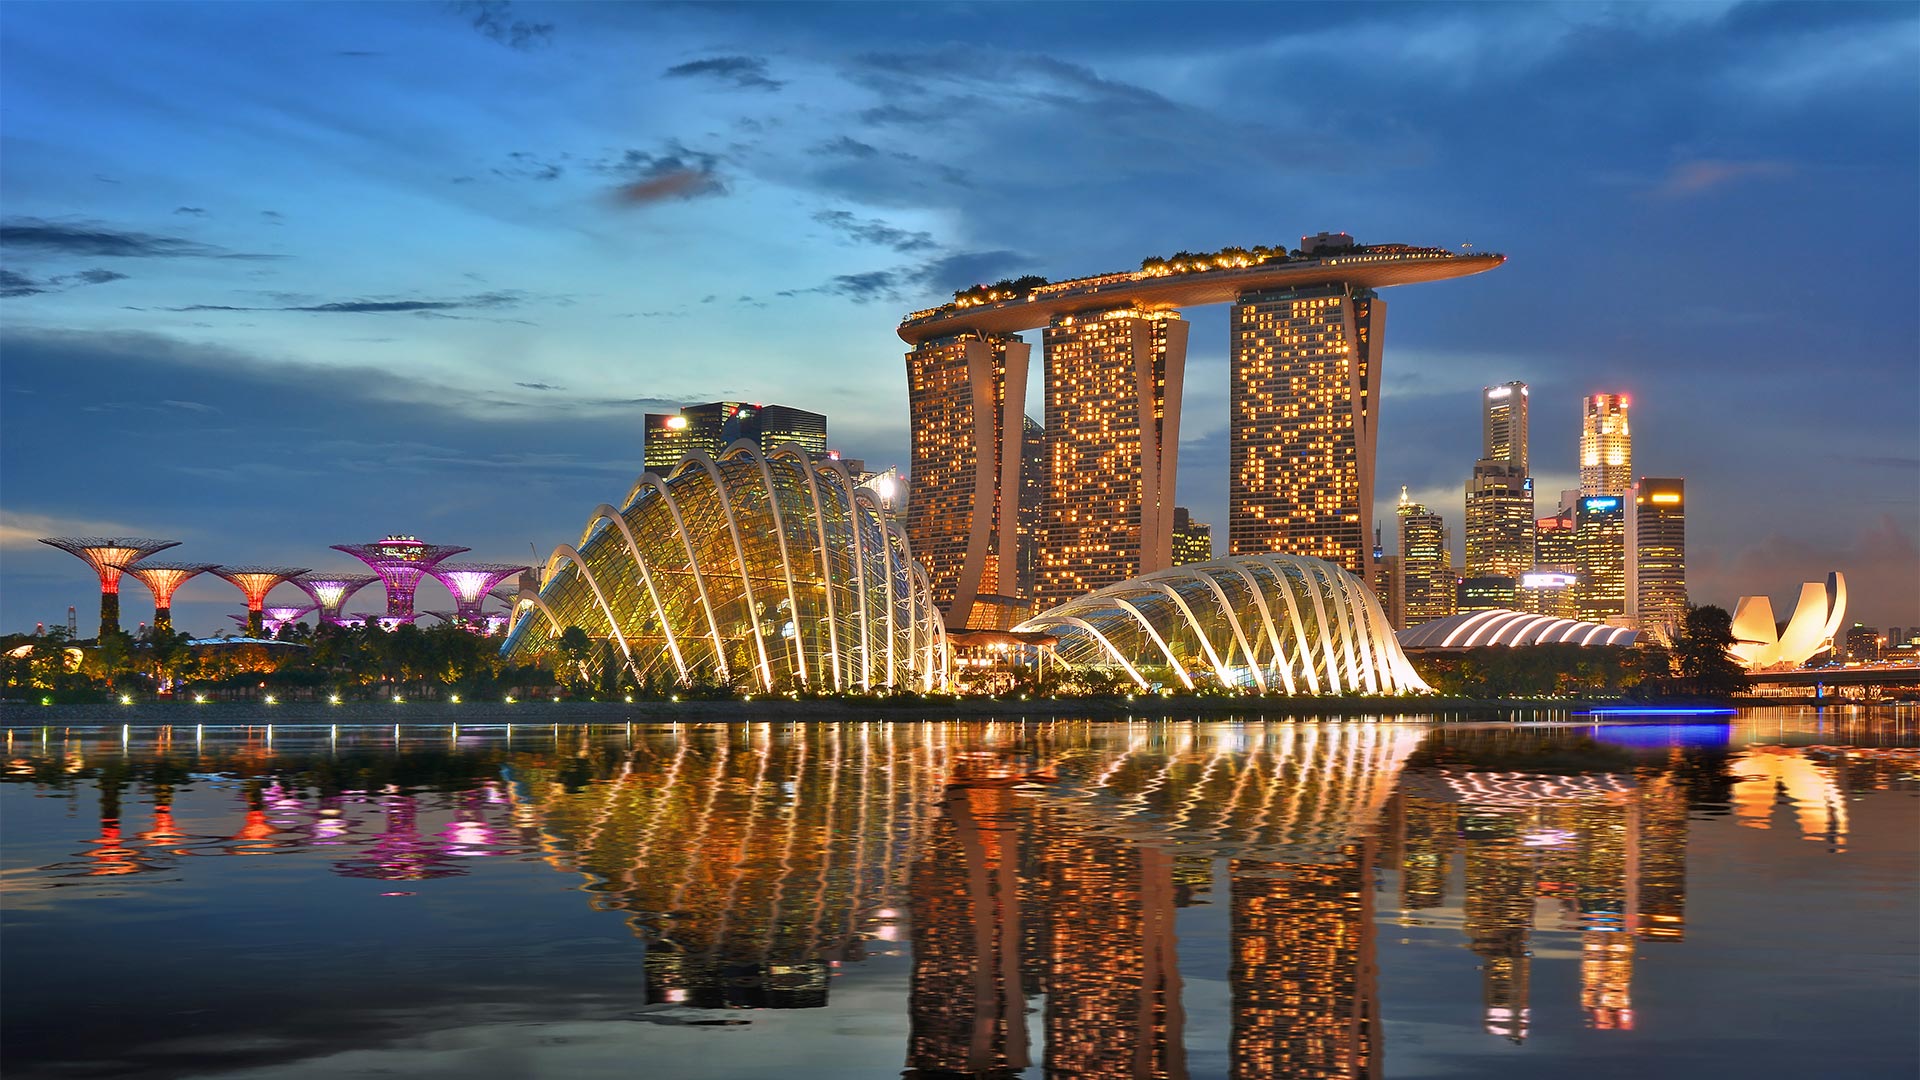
x,y
1038,874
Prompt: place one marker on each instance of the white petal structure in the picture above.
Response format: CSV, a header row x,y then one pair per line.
x,y
1499,626
1279,624
1757,641
770,569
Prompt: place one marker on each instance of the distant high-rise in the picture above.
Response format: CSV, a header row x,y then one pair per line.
x,y
1606,445
1192,540
1426,564
1503,423
1304,395
1499,520
1548,590
1112,448
1033,490
965,394
1486,593
1600,548
1656,552
716,425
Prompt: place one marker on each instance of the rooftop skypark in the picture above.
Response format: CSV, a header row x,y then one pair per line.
x,y
109,555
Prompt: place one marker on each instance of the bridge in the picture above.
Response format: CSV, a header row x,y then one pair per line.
x,y
1883,676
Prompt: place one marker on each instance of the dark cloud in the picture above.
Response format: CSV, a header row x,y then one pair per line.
x,y
481,301
847,146
925,282
878,233
191,211
743,72
357,52
273,217
673,172
494,20
525,165
14,284
539,386
56,238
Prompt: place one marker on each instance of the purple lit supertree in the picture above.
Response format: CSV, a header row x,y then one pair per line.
x,y
163,580
471,583
400,561
331,591
256,582
274,618
109,555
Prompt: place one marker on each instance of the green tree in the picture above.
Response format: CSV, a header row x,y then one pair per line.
x,y
575,644
1701,652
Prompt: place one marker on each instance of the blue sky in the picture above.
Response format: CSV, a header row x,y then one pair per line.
x,y
283,276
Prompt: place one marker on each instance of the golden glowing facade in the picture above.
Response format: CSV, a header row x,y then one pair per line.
x,y
1550,589
1503,424
1656,559
965,396
1426,565
1499,521
1112,448
1192,540
1606,445
1600,552
1304,394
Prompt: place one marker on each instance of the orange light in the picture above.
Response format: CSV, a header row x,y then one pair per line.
x,y
1667,497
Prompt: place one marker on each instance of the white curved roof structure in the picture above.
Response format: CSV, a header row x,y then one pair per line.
x,y
1280,624
774,570
1499,626
1757,642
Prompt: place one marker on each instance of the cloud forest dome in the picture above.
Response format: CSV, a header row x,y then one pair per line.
x,y
773,571
1281,624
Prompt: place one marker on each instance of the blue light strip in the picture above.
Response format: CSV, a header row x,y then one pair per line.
x,y
1656,710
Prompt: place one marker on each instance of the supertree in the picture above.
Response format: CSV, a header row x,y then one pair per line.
x,y
400,561
109,555
163,580
274,618
256,582
331,591
471,583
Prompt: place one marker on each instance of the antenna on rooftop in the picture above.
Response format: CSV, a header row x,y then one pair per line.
x,y
73,624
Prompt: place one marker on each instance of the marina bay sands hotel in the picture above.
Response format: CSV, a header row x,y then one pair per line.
x,y
1305,353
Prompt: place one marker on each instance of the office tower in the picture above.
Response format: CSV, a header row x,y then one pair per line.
x,y
1112,418
1606,446
1390,588
1033,489
1656,556
1486,593
1549,588
1600,551
1503,424
1304,977
1500,520
1304,397
964,395
716,425
1192,540
1426,564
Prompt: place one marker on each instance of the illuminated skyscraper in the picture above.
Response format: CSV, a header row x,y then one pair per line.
x,y
1499,520
1606,446
716,425
1656,555
1503,424
1033,491
1192,540
1599,541
669,436
1426,564
1112,448
1305,391
1549,590
964,394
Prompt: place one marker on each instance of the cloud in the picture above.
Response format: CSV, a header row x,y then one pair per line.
x,y
1702,175
878,233
55,238
273,217
847,146
539,386
743,72
493,20
23,529
912,283
485,301
674,172
14,284
192,211
524,165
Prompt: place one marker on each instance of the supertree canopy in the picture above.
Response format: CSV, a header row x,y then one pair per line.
x,y
471,583
331,591
400,561
163,580
109,555
256,582
274,618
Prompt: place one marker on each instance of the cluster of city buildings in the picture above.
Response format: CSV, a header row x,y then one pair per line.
x,y
1613,550
398,563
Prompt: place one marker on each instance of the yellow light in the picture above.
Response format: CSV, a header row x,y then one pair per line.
x,y
271,701
333,699
396,699
126,699
455,699
1666,497
676,423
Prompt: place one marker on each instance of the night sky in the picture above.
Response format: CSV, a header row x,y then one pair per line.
x,y
282,276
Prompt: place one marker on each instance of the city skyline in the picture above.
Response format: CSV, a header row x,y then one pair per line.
x,y
332,310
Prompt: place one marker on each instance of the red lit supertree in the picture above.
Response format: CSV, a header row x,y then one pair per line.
x,y
109,555
400,561
163,580
331,591
256,582
471,583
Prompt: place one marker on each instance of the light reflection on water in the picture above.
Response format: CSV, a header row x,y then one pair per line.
x,y
1151,899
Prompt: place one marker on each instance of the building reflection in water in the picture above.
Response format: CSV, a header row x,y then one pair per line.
x,y
1037,870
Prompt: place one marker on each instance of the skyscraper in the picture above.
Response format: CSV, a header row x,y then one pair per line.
x,y
965,394
1305,387
1656,555
1599,542
1549,590
1499,520
1033,490
1606,446
716,425
1192,540
1503,424
1426,564
1112,448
